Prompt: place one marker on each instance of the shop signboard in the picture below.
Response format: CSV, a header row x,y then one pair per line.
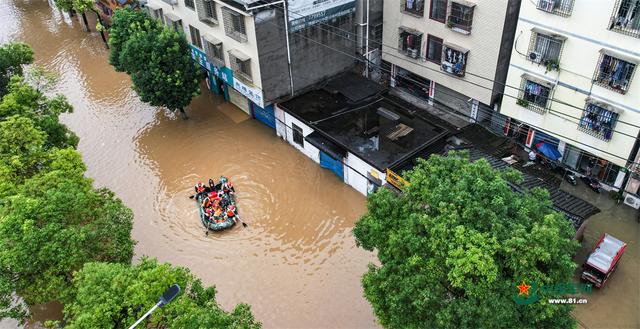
x,y
305,13
224,73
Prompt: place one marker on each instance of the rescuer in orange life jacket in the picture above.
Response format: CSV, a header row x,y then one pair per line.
x,y
231,212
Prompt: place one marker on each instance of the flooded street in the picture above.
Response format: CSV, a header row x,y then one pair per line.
x,y
296,264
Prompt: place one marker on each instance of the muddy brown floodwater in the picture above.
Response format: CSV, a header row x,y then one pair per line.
x,y
296,264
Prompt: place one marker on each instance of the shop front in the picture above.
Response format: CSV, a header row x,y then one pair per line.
x,y
221,81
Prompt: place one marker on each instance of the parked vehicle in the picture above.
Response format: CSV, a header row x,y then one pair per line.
x,y
603,260
571,178
592,183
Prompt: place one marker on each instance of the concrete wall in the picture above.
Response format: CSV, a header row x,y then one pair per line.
x,y
307,149
315,53
190,17
586,32
483,43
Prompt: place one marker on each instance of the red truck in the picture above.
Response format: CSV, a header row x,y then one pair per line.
x,y
603,260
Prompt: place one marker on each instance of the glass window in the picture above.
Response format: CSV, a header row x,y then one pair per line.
x,y
415,7
234,25
434,49
534,96
189,4
410,43
558,7
298,137
195,37
626,18
546,48
461,16
438,10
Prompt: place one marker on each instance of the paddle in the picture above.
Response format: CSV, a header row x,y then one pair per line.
x,y
243,223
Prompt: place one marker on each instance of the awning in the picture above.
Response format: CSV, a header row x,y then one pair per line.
x,y
548,33
455,47
410,30
465,3
544,82
239,55
173,17
325,145
213,40
630,59
153,6
604,105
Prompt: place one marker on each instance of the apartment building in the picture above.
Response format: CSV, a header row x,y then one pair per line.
x,y
449,51
572,84
256,52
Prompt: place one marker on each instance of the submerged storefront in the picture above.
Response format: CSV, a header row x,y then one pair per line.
x,y
221,81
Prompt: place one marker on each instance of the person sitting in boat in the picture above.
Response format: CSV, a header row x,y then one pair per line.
x,y
206,203
207,213
227,188
200,188
212,185
217,214
231,212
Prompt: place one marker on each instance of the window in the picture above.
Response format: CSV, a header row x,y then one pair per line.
x,y
460,17
534,95
410,42
234,25
157,14
207,12
413,7
545,49
558,7
613,73
189,4
438,10
298,137
598,121
213,49
240,65
434,49
174,22
454,60
626,17
195,37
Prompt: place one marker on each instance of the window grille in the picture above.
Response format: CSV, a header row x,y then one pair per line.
x,y
174,23
454,60
158,14
460,16
613,73
189,4
626,17
241,67
544,48
207,11
410,42
557,7
413,7
534,96
214,53
234,25
598,121
298,136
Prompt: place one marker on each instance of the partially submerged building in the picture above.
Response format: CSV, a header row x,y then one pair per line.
x,y
352,127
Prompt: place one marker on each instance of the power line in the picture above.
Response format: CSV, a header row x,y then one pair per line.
x,y
455,96
551,111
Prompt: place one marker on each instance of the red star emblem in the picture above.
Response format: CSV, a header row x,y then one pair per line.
x,y
524,289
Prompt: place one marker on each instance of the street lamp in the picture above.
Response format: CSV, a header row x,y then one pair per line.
x,y
167,297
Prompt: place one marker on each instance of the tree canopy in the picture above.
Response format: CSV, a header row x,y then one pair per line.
x,y
456,243
124,23
115,295
157,59
13,56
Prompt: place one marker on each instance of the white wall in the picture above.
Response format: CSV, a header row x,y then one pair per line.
x,y
586,32
483,43
309,150
355,173
190,17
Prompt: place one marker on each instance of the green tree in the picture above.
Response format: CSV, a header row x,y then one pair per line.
x,y
54,223
455,244
13,56
124,23
26,101
115,295
161,69
65,5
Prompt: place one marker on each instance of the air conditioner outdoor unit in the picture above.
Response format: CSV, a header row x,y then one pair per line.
x,y
632,201
536,57
546,5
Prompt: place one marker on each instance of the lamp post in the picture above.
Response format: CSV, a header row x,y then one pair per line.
x,y
167,297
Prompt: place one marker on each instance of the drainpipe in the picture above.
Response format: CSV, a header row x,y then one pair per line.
x,y
366,44
286,29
